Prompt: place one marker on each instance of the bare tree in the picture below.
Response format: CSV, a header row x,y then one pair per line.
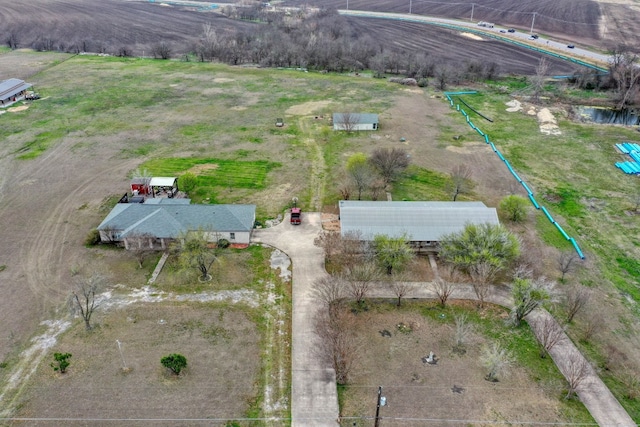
x,y
625,74
463,331
496,359
338,340
539,78
460,181
443,289
529,294
576,371
482,275
576,299
592,323
140,245
360,277
400,287
12,39
389,162
347,121
566,263
83,297
549,333
161,50
330,291
341,252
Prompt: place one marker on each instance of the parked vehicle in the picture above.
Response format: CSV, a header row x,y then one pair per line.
x,y
296,216
30,96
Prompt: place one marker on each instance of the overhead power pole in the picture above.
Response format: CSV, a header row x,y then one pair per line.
x,y
377,423
473,5
533,20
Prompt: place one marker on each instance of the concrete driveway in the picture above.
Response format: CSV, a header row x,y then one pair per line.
x,y
314,397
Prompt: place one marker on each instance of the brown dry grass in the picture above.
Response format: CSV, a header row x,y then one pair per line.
x,y
220,344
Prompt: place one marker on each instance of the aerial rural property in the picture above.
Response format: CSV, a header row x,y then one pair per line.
x,y
321,214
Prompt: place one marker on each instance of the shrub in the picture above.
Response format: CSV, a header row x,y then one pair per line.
x,y
61,362
93,238
174,362
223,243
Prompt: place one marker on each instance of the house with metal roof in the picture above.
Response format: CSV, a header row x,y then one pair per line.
x,y
12,90
424,223
157,224
355,121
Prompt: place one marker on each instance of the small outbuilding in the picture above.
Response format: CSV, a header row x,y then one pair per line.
x,y
355,121
12,90
424,223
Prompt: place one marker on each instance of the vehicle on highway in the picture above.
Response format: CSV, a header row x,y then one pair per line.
x,y
511,30
534,36
570,46
503,31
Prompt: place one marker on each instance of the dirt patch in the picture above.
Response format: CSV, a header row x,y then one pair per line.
x,y
330,222
514,106
223,80
220,345
307,108
397,346
471,36
471,147
548,123
16,109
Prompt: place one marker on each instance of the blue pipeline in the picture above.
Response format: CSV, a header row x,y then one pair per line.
x,y
533,200
471,124
526,187
464,113
559,227
471,92
576,247
546,212
500,155
493,147
458,107
486,138
479,132
515,175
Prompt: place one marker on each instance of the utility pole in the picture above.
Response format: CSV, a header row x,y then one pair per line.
x,y
533,20
473,5
377,423
410,1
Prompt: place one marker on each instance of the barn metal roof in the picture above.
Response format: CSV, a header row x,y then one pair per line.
x,y
173,220
12,87
358,118
420,221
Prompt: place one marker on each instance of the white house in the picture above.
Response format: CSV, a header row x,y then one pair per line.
x,y
355,121
157,224
12,90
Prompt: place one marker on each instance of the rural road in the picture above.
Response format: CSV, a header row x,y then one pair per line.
x,y
314,401
314,398
518,37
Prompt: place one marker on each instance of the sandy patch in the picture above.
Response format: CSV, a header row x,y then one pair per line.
x,y
203,167
548,123
16,109
307,108
514,106
471,36
223,80
238,108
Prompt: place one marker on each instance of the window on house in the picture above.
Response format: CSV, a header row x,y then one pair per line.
x,y
232,236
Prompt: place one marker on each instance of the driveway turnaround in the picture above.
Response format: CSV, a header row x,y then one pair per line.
x,y
314,397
